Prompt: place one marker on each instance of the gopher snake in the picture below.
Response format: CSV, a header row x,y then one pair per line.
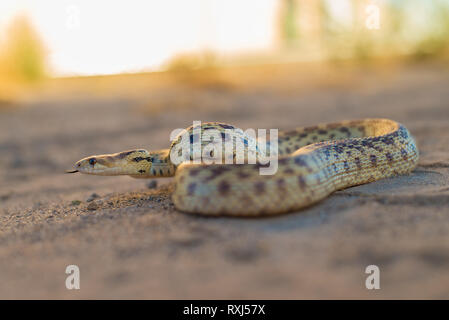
x,y
313,163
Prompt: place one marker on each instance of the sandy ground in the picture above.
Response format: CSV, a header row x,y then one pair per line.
x,y
132,243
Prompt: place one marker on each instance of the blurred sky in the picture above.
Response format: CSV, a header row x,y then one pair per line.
x,y
105,37
86,37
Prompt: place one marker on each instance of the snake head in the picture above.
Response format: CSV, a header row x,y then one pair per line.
x,y
131,162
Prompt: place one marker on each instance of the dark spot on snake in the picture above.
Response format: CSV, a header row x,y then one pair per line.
x,y
259,187
124,154
303,135
332,136
314,138
322,131
289,171
379,149
280,183
300,162
403,132
243,175
373,160
301,182
346,165
367,143
223,187
387,140
404,154
389,157
360,149
194,172
138,159
141,171
191,188
357,162
287,150
216,171
338,149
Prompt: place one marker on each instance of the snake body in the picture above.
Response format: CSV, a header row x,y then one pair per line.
x,y
313,163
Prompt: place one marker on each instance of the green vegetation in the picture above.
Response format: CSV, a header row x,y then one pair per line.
x,y
415,28
22,53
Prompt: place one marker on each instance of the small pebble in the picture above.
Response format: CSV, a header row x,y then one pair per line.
x,y
76,203
92,197
152,184
92,206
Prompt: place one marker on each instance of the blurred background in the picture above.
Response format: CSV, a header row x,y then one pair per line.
x,y
81,77
85,38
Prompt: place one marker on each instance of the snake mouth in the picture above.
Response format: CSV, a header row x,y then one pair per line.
x,y
73,171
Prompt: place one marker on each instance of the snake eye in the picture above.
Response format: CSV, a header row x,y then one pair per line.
x,y
92,161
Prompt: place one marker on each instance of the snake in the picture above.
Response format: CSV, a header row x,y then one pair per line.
x,y
313,162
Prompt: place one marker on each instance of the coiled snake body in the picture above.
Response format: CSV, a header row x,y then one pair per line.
x,y
313,163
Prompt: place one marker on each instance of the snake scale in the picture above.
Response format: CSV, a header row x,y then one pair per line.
x,y
313,163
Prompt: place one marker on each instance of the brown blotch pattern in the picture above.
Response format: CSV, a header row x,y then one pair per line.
x,y
223,187
373,160
357,162
243,175
301,182
259,187
191,188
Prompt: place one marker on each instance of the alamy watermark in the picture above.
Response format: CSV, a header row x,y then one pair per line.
x,y
373,280
73,17
73,280
372,20
229,146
